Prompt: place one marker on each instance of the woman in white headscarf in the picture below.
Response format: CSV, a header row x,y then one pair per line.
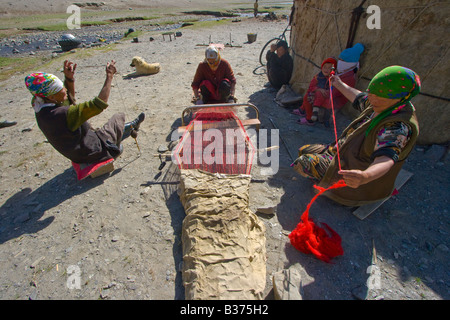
x,y
214,79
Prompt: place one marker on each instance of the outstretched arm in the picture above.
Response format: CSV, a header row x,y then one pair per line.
x,y
356,178
232,89
77,114
349,92
69,75
106,90
198,78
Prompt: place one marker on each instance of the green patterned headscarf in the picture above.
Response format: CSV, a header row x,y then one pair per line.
x,y
394,82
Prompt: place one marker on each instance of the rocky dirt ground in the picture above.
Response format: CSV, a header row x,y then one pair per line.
x,y
121,233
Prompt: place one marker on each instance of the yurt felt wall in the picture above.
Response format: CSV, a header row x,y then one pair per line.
x,y
413,33
224,252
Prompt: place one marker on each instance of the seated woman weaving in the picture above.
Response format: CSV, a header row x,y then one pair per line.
x,y
214,80
373,147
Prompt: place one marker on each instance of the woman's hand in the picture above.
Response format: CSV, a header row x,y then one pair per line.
x,y
354,178
111,69
335,81
349,92
69,70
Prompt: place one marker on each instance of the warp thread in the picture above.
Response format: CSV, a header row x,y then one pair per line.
x,y
334,119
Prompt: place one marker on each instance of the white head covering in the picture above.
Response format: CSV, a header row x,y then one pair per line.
x,y
212,53
344,67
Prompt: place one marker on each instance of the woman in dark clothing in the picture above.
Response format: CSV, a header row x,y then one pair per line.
x,y
279,65
64,122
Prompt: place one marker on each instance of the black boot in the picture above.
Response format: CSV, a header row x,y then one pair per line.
x,y
133,126
5,124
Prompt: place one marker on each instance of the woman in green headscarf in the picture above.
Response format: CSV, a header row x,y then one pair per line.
x,y
374,146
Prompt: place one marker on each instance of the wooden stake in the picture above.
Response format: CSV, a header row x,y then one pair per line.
x,y
137,144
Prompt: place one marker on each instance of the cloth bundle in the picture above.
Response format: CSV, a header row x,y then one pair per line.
x,y
224,255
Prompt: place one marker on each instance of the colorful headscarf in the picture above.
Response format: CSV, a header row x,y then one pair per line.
x,y
42,85
394,82
213,53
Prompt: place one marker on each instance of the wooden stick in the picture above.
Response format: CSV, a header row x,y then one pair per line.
x,y
137,144
284,142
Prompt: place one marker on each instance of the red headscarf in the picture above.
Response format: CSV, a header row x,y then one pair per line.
x,y
333,61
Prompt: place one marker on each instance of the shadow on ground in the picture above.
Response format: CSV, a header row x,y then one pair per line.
x,y
21,214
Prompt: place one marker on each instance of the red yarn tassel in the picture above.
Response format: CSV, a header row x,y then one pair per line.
x,y
309,238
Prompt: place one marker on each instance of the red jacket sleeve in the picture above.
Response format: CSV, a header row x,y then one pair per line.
x,y
313,84
229,74
199,76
